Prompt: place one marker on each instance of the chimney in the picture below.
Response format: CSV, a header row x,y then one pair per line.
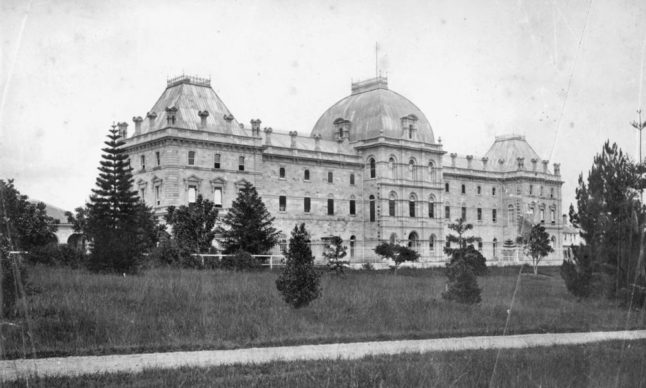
x,y
228,118
521,163
469,160
268,132
292,135
484,163
534,161
151,118
123,129
255,127
545,163
203,115
317,142
137,120
453,156
557,169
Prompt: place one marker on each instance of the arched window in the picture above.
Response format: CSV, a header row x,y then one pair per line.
x,y
373,209
392,168
510,215
373,168
431,243
431,206
306,175
411,205
352,242
413,240
411,169
392,201
431,171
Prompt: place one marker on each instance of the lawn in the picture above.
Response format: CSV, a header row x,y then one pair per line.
x,y
78,313
608,364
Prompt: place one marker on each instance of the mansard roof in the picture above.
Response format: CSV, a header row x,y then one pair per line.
x,y
510,148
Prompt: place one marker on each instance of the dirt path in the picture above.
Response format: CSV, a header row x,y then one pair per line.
x,y
71,366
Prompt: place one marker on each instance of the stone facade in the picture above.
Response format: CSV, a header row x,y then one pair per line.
x,y
369,171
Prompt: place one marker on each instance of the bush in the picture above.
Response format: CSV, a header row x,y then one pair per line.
x,y
59,255
299,283
14,283
463,285
368,267
577,274
473,258
166,253
240,261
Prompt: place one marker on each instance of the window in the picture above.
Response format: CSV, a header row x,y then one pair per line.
x,y
431,243
142,194
542,215
372,208
479,214
306,175
281,172
391,167
411,205
411,168
510,214
373,168
447,212
330,206
464,213
551,192
143,162
282,243
493,191
541,191
431,171
216,161
157,200
392,205
192,193
480,246
519,190
446,187
330,177
352,179
353,207
493,215
393,238
353,240
531,189
552,216
479,190
306,204
158,157
431,208
464,189
191,158
241,163
217,196
494,245
282,203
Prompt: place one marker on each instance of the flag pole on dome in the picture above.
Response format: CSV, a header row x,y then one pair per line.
x,y
376,59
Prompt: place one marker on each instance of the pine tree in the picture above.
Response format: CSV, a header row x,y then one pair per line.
x,y
247,226
335,253
120,226
462,283
299,283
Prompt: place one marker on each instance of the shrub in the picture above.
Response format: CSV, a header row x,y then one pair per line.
x,y
368,267
240,261
299,283
55,254
166,253
577,274
462,286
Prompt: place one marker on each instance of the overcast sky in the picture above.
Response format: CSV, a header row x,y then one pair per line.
x,y
566,74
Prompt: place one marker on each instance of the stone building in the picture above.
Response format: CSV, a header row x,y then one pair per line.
x,y
370,170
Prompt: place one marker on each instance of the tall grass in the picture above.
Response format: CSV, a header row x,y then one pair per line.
x,y
77,313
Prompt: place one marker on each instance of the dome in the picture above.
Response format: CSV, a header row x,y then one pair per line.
x,y
372,110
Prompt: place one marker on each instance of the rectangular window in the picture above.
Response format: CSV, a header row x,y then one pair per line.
x,y
531,189
143,162
281,172
446,187
191,158
306,204
142,194
352,179
282,203
411,208
493,191
216,161
431,210
241,163
447,212
217,196
306,175
158,157
479,190
541,191
493,215
157,200
479,214
464,189
551,192
553,216
330,177
352,207
330,206
464,213
192,193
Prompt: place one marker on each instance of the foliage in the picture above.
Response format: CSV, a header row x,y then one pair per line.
x,y
78,219
240,261
462,286
247,225
299,283
610,216
334,253
368,267
473,258
120,226
166,253
396,253
14,282
57,254
537,245
193,225
461,228
23,224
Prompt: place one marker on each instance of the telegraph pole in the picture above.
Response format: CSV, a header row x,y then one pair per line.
x,y
640,125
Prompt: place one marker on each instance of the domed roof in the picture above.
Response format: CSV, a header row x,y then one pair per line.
x,y
372,110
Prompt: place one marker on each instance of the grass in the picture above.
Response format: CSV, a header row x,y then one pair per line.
x,y
606,364
78,313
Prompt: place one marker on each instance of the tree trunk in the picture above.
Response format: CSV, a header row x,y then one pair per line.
x,y
535,262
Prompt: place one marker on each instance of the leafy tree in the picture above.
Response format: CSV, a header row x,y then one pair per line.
x,y
396,253
78,219
335,253
120,226
611,218
247,225
537,245
193,225
299,283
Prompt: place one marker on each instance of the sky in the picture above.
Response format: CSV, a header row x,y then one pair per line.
x,y
566,74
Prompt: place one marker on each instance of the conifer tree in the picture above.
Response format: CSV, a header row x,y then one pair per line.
x,y
120,226
462,283
335,253
299,283
247,226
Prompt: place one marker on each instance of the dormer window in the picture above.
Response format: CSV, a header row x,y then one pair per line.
x,y
409,126
342,127
170,115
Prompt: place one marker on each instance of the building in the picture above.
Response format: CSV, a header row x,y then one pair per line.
x,y
370,170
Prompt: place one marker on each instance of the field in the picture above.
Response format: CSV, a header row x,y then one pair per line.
x,y
74,312
610,364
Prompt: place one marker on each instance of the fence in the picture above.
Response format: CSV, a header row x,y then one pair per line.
x,y
267,260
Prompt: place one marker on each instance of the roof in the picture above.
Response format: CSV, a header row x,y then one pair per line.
x,y
372,110
190,99
509,149
307,143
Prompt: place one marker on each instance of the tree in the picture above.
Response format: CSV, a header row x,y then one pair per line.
x,y
537,245
193,225
462,285
465,250
397,253
247,225
120,226
335,253
299,283
78,219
